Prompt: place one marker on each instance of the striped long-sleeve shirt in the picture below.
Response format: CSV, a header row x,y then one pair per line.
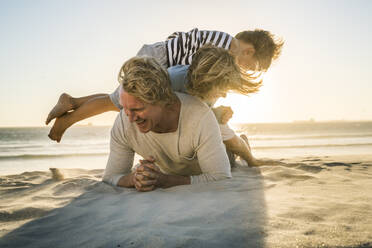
x,y
182,46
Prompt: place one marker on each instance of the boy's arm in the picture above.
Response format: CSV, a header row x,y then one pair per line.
x,y
195,38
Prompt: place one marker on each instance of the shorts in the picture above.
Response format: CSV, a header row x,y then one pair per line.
x,y
157,51
226,132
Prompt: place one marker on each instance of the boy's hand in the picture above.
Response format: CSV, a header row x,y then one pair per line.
x,y
223,114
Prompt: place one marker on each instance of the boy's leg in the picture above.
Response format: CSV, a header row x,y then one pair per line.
x,y
237,145
234,145
248,152
240,147
231,157
91,107
67,103
258,162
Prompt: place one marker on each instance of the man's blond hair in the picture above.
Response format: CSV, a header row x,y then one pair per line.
x,y
144,78
213,70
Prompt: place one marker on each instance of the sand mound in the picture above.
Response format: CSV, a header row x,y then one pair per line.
x,y
22,214
304,202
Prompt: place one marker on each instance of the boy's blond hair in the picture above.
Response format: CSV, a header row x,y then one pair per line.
x,y
213,70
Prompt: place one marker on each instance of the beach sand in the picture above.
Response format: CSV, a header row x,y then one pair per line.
x,y
299,202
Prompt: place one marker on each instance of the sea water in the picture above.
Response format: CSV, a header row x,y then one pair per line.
x,y
30,149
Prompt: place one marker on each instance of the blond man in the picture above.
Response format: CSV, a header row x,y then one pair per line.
x,y
177,134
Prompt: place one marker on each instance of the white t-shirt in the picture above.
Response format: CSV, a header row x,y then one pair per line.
x,y
195,149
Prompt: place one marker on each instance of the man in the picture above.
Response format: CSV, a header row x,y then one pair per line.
x,y
177,134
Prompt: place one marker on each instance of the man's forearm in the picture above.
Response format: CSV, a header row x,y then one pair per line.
x,y
167,181
126,181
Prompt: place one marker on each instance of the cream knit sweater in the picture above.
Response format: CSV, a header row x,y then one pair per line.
x,y
195,149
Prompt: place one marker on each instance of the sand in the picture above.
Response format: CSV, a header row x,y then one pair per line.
x,y
299,202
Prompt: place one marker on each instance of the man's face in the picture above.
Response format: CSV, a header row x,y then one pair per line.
x,y
146,116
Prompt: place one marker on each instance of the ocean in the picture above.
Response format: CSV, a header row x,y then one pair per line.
x,y
29,149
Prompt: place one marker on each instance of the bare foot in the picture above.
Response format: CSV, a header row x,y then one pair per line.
x,y
64,104
252,162
266,162
59,128
258,162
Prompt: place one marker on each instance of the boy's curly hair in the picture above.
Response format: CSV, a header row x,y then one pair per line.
x,y
268,47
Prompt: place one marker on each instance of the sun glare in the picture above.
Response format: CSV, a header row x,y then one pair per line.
x,y
252,108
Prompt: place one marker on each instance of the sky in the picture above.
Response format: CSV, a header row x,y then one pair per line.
x,y
77,47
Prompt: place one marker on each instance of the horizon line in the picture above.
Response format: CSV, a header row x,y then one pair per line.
x,y
232,123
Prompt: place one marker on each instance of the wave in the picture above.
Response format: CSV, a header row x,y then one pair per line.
x,y
295,137
87,154
44,145
19,146
38,156
310,146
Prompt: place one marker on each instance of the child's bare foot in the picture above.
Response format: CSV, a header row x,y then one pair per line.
x,y
64,104
252,161
258,162
59,128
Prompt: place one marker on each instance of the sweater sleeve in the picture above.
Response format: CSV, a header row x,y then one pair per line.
x,y
121,156
211,153
115,98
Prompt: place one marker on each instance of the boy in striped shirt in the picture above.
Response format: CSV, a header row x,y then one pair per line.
x,y
253,50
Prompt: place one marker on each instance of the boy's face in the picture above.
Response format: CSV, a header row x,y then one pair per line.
x,y
246,57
